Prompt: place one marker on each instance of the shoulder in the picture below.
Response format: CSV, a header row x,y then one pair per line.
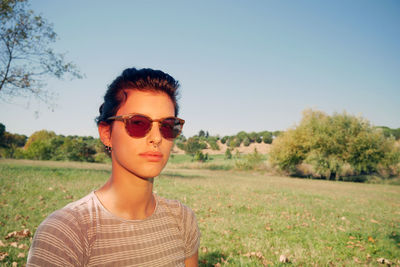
x,y
181,213
187,223
61,236
82,205
72,214
70,218
176,208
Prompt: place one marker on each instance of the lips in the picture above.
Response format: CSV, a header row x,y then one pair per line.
x,y
153,156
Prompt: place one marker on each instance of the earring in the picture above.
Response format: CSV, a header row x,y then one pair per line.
x,y
108,148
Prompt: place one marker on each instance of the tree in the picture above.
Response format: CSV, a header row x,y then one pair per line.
x,y
202,133
253,137
390,132
76,149
180,138
42,135
39,145
266,137
241,135
39,149
26,56
334,147
17,140
246,141
224,139
2,132
10,144
193,145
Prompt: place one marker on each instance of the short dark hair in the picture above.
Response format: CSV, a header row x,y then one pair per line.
x,y
136,79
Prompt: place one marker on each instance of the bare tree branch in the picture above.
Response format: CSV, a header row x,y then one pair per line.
x,y
26,58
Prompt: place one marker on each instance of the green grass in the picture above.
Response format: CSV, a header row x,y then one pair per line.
x,y
215,162
246,218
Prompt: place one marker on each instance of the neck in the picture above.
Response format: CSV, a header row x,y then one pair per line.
x,y
127,195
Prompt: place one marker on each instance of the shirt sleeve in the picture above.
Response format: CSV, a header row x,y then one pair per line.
x,y
191,232
57,241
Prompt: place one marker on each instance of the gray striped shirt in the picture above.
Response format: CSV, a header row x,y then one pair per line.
x,y
84,233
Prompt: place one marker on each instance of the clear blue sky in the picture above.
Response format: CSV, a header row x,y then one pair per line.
x,y
242,65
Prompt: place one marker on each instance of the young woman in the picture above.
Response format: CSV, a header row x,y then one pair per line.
x,y
124,223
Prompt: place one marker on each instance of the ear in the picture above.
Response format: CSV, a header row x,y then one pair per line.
x,y
105,133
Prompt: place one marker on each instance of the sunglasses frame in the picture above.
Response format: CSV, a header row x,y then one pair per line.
x,y
126,117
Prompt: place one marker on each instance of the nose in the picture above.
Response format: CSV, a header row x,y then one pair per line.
x,y
154,137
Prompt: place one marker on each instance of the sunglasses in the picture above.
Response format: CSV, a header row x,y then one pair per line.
x,y
138,125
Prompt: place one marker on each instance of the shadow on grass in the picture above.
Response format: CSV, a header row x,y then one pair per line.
x,y
211,258
354,179
218,167
396,238
180,175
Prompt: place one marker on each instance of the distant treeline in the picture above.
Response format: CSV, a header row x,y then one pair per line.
x,y
388,132
46,145
204,140
242,137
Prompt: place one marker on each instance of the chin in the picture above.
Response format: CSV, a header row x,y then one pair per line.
x,y
142,168
147,176
148,173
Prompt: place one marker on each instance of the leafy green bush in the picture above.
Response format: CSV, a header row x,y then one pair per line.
x,y
102,158
180,145
199,156
12,151
277,133
194,145
234,142
334,147
39,149
180,138
266,137
388,132
8,139
212,142
241,136
253,136
11,144
75,149
246,141
42,135
238,155
252,161
224,139
228,154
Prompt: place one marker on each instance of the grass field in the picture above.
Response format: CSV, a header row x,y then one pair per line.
x,y
246,218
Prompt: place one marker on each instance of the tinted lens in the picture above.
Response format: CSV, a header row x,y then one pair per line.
x,y
170,128
138,126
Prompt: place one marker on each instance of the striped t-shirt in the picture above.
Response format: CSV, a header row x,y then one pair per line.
x,y
84,233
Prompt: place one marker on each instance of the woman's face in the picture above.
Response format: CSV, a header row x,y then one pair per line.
x,y
144,157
